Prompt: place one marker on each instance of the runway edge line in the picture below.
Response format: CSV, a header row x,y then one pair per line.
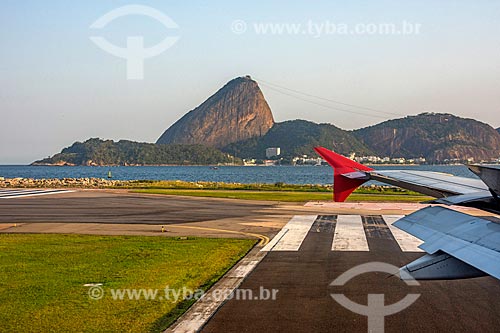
x,y
205,308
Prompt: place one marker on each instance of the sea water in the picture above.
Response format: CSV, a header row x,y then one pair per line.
x,y
228,174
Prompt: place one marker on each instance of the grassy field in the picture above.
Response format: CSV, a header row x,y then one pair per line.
x,y
289,196
42,278
276,187
274,192
179,184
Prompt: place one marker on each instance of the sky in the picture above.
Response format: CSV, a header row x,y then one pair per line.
x,y
57,86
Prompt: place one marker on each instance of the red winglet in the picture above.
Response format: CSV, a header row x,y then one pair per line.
x,y
342,186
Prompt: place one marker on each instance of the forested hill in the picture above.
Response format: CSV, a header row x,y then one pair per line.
x,y
435,136
107,152
297,138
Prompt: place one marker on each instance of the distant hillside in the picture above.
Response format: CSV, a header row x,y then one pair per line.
x,y
236,112
298,137
107,152
238,121
436,137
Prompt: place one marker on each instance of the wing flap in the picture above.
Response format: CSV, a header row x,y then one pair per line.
x,y
473,240
465,198
433,183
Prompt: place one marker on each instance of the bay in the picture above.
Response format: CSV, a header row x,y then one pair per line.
x,y
227,174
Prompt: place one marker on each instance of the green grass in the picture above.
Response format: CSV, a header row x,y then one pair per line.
x,y
178,184
287,196
42,278
273,192
276,187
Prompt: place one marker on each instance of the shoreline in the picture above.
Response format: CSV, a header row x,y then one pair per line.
x,y
220,165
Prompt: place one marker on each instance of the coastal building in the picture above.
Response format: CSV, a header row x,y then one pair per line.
x,y
273,151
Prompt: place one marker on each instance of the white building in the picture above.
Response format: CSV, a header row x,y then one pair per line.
x,y
273,151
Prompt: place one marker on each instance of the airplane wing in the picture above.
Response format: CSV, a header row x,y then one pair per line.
x,y
460,245
449,189
457,245
435,184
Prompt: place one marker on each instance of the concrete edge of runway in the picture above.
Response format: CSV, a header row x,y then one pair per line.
x,y
205,308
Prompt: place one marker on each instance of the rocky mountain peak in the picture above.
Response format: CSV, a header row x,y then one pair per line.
x,y
236,112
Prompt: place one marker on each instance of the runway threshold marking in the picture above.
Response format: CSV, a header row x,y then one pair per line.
x,y
263,239
407,242
297,229
8,194
349,234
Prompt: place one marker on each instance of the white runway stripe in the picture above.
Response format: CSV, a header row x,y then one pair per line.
x,y
275,240
349,234
17,191
406,242
24,191
296,230
28,193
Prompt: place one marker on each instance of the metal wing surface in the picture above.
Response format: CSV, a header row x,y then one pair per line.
x,y
471,240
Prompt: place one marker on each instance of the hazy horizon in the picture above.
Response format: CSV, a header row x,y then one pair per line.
x,y
58,87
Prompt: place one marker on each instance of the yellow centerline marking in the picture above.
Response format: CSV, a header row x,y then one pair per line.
x,y
263,239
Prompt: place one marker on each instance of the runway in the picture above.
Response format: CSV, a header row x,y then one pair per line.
x,y
118,212
118,207
303,275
